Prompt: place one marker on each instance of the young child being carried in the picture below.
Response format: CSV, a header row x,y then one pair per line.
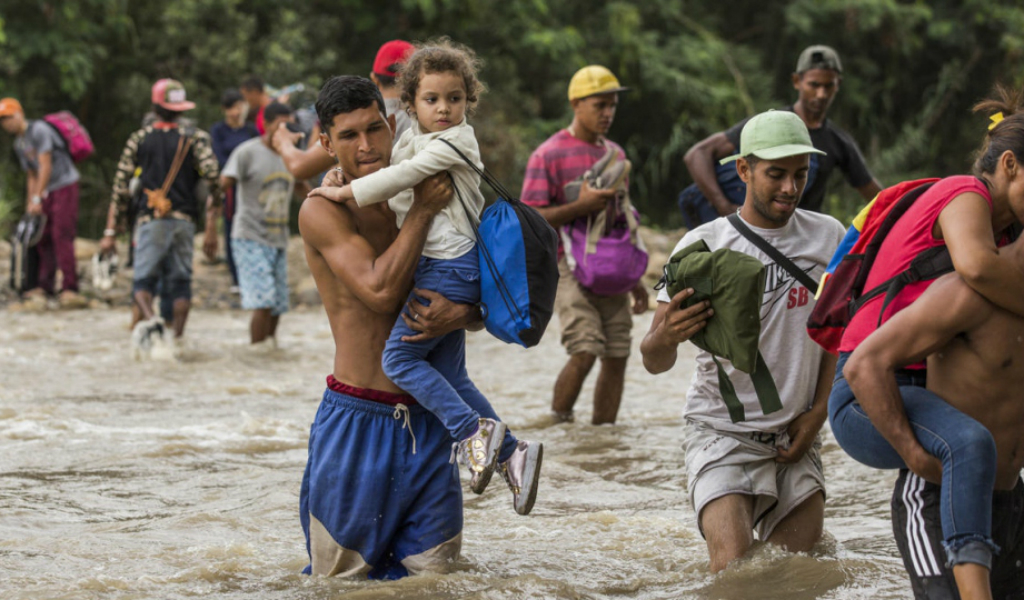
x,y
439,86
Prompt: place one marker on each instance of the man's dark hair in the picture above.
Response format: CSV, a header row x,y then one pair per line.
x,y
344,94
167,116
230,97
751,160
253,83
275,110
386,81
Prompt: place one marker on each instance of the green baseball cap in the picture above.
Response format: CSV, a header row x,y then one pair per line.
x,y
772,135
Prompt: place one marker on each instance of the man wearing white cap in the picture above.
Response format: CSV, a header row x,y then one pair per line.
x,y
593,326
173,159
754,464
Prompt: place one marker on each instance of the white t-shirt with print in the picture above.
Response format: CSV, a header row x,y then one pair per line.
x,y
809,240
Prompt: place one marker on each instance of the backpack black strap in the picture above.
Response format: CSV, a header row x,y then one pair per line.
x,y
930,264
484,174
773,252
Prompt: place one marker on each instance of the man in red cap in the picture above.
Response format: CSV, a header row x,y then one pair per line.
x,y
173,158
254,90
390,58
51,190
304,164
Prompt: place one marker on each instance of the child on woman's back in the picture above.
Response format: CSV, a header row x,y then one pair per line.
x,y
439,86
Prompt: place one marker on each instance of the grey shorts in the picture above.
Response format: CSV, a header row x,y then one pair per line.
x,y
163,253
720,463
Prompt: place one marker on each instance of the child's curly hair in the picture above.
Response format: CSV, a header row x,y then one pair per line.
x,y
441,55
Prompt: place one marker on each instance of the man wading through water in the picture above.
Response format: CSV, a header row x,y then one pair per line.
x,y
763,471
379,495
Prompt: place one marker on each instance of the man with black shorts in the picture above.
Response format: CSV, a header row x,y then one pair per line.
x,y
816,79
974,354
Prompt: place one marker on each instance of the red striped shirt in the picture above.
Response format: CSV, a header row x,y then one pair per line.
x,y
559,160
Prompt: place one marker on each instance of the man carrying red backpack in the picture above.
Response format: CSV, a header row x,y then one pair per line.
x,y
578,180
51,190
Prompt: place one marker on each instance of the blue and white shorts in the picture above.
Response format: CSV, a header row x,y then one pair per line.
x,y
262,275
379,497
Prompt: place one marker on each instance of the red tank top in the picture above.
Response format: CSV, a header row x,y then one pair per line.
x,y
911,235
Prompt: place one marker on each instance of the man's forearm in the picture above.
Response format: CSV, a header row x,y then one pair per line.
x,y
45,170
212,214
304,164
702,168
658,356
394,268
823,388
31,186
874,386
561,214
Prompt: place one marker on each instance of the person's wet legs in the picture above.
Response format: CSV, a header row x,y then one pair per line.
x,y
569,383
449,358
608,391
968,456
728,527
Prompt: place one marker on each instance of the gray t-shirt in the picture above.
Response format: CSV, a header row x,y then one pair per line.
x,y
403,121
265,190
38,139
809,240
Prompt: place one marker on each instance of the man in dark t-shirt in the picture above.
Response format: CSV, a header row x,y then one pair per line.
x,y
227,135
173,159
817,77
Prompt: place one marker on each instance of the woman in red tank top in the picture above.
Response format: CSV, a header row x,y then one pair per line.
x,y
899,426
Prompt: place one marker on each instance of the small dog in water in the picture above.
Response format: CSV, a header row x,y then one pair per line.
x,y
151,339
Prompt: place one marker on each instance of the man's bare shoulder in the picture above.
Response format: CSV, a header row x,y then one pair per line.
x,y
321,220
958,298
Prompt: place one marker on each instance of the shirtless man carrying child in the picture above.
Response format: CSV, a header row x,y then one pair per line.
x,y
975,351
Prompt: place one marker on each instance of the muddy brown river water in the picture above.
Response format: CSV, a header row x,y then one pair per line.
x,y
159,480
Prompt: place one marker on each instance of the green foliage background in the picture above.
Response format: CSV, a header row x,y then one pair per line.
x,y
912,71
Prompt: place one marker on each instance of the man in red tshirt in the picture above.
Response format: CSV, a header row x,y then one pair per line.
x,y
592,326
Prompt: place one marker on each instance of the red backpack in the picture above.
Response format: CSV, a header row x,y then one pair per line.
x,y
76,139
841,291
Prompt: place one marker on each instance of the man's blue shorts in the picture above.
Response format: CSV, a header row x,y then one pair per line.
x,y
368,504
262,275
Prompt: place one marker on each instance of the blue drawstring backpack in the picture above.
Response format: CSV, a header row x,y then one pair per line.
x,y
518,265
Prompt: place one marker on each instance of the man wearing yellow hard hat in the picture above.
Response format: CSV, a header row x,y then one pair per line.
x,y
578,180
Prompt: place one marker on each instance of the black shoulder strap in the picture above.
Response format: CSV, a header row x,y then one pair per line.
x,y
773,252
484,174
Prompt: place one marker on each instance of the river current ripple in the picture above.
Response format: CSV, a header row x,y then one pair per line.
x,y
157,480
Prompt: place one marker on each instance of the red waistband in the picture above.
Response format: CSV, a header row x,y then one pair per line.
x,y
389,398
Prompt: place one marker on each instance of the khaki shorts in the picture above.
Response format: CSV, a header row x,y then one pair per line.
x,y
592,324
719,463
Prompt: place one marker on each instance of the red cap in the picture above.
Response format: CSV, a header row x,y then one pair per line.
x,y
170,94
390,56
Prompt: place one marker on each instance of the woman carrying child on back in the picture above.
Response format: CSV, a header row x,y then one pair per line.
x,y
439,86
889,422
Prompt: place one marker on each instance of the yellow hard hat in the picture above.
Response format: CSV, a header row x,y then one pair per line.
x,y
592,80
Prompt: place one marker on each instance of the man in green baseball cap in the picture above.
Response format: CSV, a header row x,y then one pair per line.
x,y
760,472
